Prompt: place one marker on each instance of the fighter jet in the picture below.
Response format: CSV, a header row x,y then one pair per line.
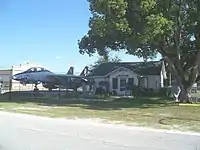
x,y
50,80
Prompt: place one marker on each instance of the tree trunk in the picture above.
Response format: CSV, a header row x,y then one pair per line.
x,y
184,95
185,85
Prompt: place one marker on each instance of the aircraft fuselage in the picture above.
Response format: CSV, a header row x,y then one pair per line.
x,y
34,77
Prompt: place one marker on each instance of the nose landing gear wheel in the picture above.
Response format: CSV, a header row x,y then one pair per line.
x,y
36,88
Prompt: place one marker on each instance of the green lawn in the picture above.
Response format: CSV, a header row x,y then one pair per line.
x,y
151,112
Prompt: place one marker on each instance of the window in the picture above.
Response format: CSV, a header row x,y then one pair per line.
x,y
30,70
38,69
115,83
122,84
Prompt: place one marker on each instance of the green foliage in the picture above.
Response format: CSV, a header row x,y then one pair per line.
x,y
145,28
140,27
140,91
101,60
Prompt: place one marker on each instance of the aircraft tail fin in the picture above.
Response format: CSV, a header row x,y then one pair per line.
x,y
84,72
71,71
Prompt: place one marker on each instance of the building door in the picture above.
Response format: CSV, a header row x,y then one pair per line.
x,y
122,84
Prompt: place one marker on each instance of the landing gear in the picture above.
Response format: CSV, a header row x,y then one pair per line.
x,y
75,90
23,83
35,91
36,88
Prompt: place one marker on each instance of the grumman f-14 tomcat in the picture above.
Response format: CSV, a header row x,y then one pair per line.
x,y
50,80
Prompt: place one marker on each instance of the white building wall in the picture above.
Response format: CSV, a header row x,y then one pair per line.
x,y
118,73
161,80
122,73
5,76
154,81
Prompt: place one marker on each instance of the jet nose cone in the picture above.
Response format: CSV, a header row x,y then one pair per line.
x,y
13,77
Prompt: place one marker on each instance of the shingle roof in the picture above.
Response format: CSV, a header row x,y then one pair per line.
x,y
142,68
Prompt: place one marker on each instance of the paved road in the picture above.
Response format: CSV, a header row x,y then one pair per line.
x,y
24,132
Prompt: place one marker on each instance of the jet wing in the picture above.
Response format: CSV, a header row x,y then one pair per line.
x,y
61,79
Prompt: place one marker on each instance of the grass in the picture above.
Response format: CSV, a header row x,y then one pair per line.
x,y
151,112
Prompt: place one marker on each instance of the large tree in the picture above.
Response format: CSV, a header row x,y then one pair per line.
x,y
145,28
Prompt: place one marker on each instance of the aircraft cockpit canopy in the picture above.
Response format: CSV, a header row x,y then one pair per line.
x,y
36,69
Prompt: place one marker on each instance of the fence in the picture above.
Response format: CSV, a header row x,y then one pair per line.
x,y
10,86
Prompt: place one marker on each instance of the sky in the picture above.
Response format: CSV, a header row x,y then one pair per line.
x,y
45,32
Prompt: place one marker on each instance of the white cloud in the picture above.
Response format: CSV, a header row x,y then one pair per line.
x,y
58,57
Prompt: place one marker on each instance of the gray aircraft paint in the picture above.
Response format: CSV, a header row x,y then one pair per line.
x,y
37,75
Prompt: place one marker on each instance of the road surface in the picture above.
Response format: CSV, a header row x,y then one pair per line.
x,y
24,132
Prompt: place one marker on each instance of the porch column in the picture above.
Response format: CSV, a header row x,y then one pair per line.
x,y
118,81
107,84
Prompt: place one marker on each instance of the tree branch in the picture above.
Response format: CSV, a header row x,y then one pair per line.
x,y
173,70
177,34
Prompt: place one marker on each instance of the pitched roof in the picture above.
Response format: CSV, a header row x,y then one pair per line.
x,y
142,68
